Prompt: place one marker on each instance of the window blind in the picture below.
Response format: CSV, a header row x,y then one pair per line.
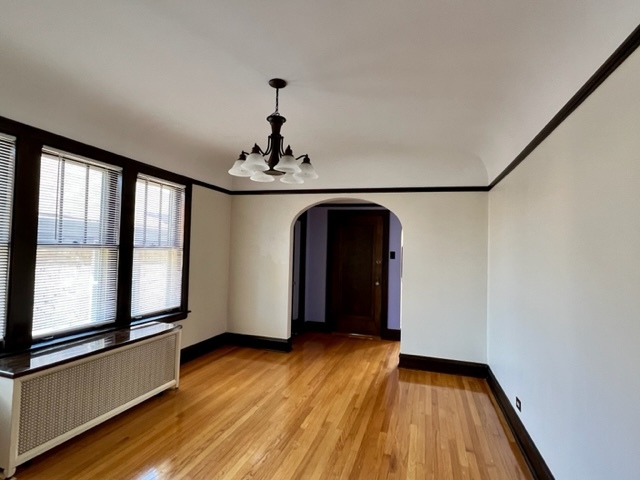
x,y
77,252
158,247
7,160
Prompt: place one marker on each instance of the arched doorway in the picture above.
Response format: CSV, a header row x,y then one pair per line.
x,y
342,280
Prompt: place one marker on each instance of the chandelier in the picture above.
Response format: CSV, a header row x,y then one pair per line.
x,y
264,166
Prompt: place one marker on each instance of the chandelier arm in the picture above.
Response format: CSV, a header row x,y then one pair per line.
x,y
301,156
269,147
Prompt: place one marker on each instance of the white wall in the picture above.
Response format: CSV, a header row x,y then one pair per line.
x,y
564,286
209,266
445,261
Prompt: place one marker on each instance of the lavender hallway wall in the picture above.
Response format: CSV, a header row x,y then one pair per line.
x,y
316,273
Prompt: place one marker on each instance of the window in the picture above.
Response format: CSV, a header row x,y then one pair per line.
x,y
158,247
7,156
77,251
89,240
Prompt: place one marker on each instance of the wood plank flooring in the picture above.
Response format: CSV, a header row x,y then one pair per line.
x,y
335,407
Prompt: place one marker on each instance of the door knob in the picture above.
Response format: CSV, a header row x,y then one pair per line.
x,y
377,283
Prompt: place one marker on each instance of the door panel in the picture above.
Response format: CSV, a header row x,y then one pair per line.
x,y
356,261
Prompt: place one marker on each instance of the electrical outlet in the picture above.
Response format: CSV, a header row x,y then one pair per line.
x,y
518,404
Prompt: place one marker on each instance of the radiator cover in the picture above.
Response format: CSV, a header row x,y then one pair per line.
x,y
56,404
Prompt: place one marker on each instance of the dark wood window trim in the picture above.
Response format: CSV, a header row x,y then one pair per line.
x,y
125,258
20,295
24,234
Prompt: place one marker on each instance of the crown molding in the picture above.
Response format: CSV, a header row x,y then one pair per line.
x,y
631,43
616,59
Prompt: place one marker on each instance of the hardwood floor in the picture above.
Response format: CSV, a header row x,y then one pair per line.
x,y
335,407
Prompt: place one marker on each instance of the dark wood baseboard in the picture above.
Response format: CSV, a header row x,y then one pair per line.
x,y
390,334
443,365
534,459
209,345
263,343
532,455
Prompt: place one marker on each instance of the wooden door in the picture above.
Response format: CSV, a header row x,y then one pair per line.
x,y
357,269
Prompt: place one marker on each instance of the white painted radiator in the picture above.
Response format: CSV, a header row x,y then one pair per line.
x,y
41,410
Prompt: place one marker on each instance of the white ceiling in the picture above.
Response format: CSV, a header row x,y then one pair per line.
x,y
382,93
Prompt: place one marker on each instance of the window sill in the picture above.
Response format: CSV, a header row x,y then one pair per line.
x,y
33,361
78,336
164,318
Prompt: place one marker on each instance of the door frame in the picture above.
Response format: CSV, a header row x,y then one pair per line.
x,y
384,281
298,323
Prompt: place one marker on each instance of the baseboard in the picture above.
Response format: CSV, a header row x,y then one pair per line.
x,y
316,327
264,343
443,365
194,351
531,453
532,456
390,334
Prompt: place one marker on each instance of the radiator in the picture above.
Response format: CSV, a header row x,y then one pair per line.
x,y
41,410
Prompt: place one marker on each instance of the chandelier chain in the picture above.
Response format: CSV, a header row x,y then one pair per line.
x,y
277,100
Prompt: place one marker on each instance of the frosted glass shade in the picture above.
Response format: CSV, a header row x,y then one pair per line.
x,y
291,178
255,163
307,171
287,164
262,177
238,171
